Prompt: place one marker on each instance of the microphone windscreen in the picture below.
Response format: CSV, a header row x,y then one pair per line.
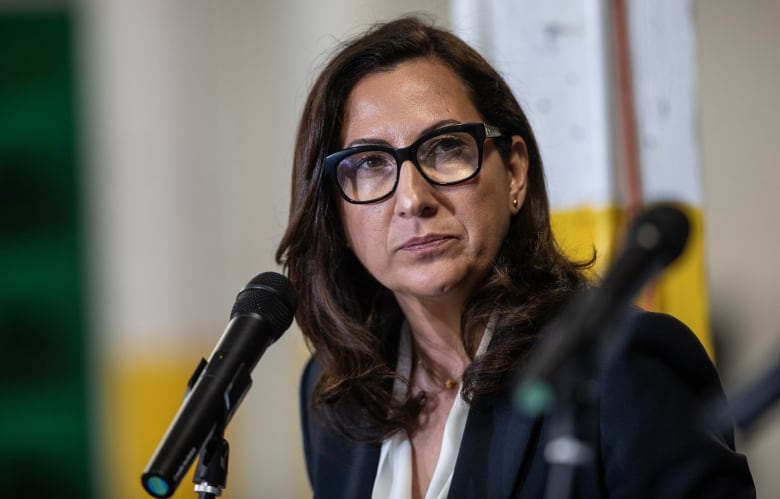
x,y
661,231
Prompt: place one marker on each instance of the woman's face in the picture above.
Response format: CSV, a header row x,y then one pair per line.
x,y
428,242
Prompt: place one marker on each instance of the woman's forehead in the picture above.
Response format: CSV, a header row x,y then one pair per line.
x,y
397,106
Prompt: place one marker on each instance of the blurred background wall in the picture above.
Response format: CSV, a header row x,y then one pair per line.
x,y
162,134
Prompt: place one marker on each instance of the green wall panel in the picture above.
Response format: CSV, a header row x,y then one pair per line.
x,y
44,399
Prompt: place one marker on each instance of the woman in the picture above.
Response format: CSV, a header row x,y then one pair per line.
x,y
420,246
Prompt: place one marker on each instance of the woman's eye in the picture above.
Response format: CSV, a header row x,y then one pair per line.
x,y
372,162
368,163
444,149
447,144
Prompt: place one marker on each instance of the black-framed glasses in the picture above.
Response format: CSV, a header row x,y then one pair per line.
x,y
446,156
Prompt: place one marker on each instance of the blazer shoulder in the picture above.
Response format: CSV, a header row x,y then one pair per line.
x,y
657,440
654,337
311,373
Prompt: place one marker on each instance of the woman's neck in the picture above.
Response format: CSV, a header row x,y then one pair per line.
x,y
437,342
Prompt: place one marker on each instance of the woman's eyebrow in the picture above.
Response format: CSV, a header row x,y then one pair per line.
x,y
381,142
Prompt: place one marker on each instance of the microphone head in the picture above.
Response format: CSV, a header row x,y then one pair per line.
x,y
661,231
271,296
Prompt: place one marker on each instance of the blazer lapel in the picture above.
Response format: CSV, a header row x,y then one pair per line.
x,y
496,451
345,469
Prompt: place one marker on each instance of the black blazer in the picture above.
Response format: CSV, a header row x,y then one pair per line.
x,y
652,441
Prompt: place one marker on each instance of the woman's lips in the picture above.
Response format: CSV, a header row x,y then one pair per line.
x,y
425,243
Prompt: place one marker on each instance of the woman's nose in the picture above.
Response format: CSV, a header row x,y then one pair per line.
x,y
414,195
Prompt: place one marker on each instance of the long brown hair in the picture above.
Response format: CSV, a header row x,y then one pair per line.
x,y
349,320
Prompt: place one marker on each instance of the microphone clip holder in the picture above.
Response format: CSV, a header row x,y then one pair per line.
x,y
211,472
210,476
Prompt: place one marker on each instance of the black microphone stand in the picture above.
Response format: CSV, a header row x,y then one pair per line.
x,y
574,344
573,426
211,473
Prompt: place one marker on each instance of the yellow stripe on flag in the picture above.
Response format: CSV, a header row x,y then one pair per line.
x,y
680,290
580,231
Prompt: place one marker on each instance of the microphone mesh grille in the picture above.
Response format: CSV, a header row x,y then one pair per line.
x,y
271,296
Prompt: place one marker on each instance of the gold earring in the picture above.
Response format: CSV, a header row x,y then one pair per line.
x,y
514,202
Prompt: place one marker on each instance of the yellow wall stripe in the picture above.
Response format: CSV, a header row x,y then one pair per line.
x,y
140,399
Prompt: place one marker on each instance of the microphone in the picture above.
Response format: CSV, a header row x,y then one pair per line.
x,y
263,310
655,239
748,405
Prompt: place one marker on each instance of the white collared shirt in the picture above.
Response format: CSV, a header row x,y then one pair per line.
x,y
394,472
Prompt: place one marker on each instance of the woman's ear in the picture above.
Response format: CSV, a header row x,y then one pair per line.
x,y
517,169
